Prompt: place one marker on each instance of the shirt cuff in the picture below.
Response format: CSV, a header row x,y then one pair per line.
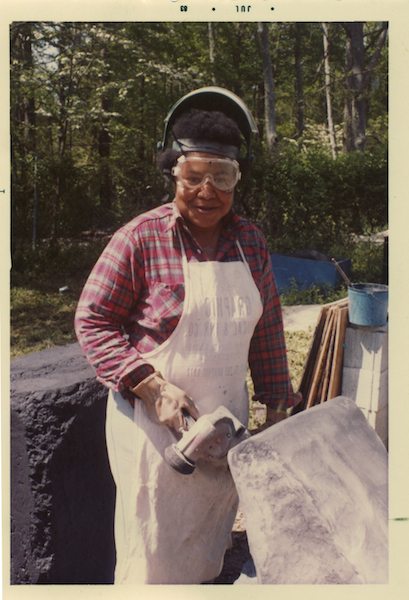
x,y
131,380
279,402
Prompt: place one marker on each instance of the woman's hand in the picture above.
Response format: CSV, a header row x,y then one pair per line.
x,y
273,416
164,402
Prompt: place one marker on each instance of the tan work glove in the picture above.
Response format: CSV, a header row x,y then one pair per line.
x,y
164,402
273,416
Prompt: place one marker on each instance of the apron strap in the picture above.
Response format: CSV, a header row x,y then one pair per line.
x,y
184,259
185,264
181,241
243,257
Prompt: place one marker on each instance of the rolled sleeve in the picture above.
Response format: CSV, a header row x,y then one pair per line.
x,y
268,355
105,304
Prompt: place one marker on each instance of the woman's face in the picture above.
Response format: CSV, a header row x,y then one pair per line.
x,y
203,207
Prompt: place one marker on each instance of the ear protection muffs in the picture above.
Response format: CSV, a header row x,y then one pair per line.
x,y
213,98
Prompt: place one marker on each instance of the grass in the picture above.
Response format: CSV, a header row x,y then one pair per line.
x,y
298,343
41,319
42,316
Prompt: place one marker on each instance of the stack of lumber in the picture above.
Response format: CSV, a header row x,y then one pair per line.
x,y
322,375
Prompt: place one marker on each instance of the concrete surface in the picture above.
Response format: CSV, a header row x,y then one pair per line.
x,y
365,374
301,318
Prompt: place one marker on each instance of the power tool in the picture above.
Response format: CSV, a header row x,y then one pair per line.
x,y
210,437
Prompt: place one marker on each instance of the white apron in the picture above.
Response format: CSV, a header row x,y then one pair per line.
x,y
169,527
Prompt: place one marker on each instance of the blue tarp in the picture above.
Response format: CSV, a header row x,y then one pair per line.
x,y
306,272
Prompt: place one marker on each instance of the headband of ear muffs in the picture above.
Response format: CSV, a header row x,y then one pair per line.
x,y
213,98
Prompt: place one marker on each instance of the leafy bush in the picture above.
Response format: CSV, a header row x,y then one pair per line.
x,y
309,200
367,263
313,295
50,264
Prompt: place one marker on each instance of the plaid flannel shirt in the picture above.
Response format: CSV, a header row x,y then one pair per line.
x,y
133,300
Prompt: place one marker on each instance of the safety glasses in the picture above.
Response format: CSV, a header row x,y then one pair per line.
x,y
193,172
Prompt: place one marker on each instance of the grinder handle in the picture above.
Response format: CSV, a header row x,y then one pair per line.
x,y
190,421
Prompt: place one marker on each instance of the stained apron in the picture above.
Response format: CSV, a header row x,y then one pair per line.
x,y
169,527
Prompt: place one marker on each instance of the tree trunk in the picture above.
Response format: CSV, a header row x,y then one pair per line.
x,y
331,128
28,108
355,110
375,57
271,133
59,182
299,27
104,149
27,116
212,51
23,123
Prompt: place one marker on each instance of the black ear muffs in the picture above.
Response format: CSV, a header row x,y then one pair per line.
x,y
213,98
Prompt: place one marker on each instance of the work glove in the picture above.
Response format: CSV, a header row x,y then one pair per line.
x,y
273,416
165,402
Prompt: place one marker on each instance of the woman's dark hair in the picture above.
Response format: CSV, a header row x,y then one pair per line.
x,y
200,125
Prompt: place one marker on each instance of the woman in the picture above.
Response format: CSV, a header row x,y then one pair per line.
x,y
180,302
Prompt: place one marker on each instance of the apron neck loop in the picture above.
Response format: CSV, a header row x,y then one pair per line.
x,y
243,257
184,259
182,246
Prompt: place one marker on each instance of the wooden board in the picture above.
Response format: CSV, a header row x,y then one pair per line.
x,y
335,386
311,358
320,362
321,378
329,361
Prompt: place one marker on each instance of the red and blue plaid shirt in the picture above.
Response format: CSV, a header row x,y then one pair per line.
x,y
133,300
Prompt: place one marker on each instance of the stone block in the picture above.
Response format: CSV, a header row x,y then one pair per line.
x,y
380,394
357,384
313,491
368,389
366,348
365,372
379,421
350,380
62,491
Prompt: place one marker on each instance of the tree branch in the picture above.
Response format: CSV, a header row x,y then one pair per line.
x,y
374,59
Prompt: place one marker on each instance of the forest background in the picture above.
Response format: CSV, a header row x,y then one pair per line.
x,y
88,103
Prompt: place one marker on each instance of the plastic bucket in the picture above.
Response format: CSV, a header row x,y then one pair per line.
x,y
368,304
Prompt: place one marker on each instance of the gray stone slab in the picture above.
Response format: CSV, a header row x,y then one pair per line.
x,y
62,491
56,368
313,491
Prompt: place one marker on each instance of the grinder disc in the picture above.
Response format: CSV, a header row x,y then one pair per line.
x,y
178,461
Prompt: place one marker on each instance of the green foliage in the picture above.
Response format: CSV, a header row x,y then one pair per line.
x,y
315,294
51,264
367,262
367,266
89,99
313,201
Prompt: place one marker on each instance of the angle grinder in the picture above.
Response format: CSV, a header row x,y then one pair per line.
x,y
210,437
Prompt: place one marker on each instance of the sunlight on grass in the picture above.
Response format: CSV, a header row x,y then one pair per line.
x,y
40,320
298,343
